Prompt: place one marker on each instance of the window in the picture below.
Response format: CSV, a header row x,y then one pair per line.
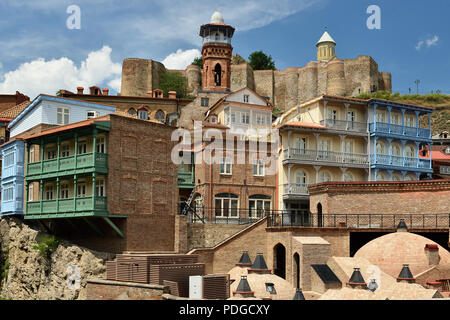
x,y
101,147
332,115
258,167
380,177
65,150
380,117
30,192
32,153
380,148
270,288
160,116
217,36
324,177
91,114
396,178
62,115
395,150
204,102
226,205
143,114
8,192
351,116
259,205
100,188
132,111
82,147
301,178
348,145
246,97
213,119
49,193
395,119
409,151
225,166
51,154
300,144
64,191
323,149
9,159
409,121
447,150
408,178
81,190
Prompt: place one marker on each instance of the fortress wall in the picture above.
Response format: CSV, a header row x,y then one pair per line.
x,y
140,76
291,96
358,75
241,77
194,79
386,81
336,78
322,79
307,82
265,83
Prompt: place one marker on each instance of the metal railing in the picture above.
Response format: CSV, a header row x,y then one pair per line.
x,y
295,188
326,156
226,216
384,127
345,125
288,218
400,161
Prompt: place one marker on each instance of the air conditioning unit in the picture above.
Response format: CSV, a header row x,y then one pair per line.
x,y
91,114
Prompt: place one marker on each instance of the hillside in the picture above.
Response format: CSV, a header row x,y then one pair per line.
x,y
440,120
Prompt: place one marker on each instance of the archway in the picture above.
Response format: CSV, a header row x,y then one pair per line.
x,y
279,263
297,270
319,215
218,75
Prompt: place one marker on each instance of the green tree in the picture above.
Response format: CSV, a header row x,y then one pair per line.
x,y
198,62
173,81
261,61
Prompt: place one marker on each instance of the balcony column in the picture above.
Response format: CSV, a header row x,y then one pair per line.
x,y
42,155
75,189
390,172
417,123
389,118
343,147
317,168
325,114
58,181
94,145
404,175
375,174
41,183
429,125
429,148
346,116
403,151
375,139
94,181
375,117
289,143
390,150
58,151
418,153
76,149
403,121
317,135
27,185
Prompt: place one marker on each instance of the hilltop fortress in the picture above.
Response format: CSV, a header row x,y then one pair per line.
x,y
284,89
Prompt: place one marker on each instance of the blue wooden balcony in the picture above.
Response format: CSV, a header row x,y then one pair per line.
x,y
400,163
339,159
399,131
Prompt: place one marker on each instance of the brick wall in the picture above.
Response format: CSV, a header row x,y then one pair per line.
x,y
114,290
207,235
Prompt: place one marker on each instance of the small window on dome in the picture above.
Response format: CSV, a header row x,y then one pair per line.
x,y
217,36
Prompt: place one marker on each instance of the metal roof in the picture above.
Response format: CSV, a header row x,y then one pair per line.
x,y
299,295
325,273
356,277
243,285
245,259
405,273
259,263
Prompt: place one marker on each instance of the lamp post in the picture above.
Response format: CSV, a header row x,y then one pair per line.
x,y
417,82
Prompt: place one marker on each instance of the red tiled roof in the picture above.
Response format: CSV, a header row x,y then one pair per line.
x,y
305,125
14,111
435,155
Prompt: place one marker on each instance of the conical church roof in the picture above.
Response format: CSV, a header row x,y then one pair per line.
x,y
326,38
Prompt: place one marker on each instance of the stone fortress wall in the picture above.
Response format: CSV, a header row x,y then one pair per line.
x,y
285,88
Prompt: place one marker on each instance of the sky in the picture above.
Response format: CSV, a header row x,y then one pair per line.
x,y
47,45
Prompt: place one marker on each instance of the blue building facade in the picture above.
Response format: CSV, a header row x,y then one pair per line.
x,y
13,178
396,138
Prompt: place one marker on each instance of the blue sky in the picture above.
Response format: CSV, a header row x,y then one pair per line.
x,y
40,54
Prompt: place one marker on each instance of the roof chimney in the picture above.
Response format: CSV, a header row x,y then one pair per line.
x,y
356,280
406,275
402,227
243,290
244,261
80,90
172,94
432,253
299,295
105,91
259,265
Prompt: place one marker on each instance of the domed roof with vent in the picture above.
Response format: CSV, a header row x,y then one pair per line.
x,y
217,17
326,38
391,251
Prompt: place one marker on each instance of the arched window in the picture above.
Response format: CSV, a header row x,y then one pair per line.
x,y
380,148
160,116
226,205
217,36
143,114
259,205
300,178
409,151
324,176
396,178
396,150
132,111
218,75
380,177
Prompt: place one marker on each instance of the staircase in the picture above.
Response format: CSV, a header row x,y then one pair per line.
x,y
188,207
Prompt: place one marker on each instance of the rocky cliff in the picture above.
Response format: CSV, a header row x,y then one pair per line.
x,y
28,274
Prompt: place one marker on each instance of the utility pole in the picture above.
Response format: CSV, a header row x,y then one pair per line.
x,y
417,84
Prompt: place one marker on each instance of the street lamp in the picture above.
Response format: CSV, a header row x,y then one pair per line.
x,y
417,84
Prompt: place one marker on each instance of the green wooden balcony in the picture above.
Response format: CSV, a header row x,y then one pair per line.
x,y
82,163
186,180
78,207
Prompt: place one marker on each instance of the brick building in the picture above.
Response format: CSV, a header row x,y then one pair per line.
x,y
111,184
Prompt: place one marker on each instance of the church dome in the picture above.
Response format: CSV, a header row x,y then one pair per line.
x,y
390,252
217,17
326,38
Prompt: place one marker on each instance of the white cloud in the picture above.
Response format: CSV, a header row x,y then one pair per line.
x,y
40,76
428,42
181,59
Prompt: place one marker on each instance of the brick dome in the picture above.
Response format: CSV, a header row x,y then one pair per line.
x,y
390,252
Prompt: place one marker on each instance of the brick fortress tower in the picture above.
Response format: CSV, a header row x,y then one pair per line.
x,y
216,52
